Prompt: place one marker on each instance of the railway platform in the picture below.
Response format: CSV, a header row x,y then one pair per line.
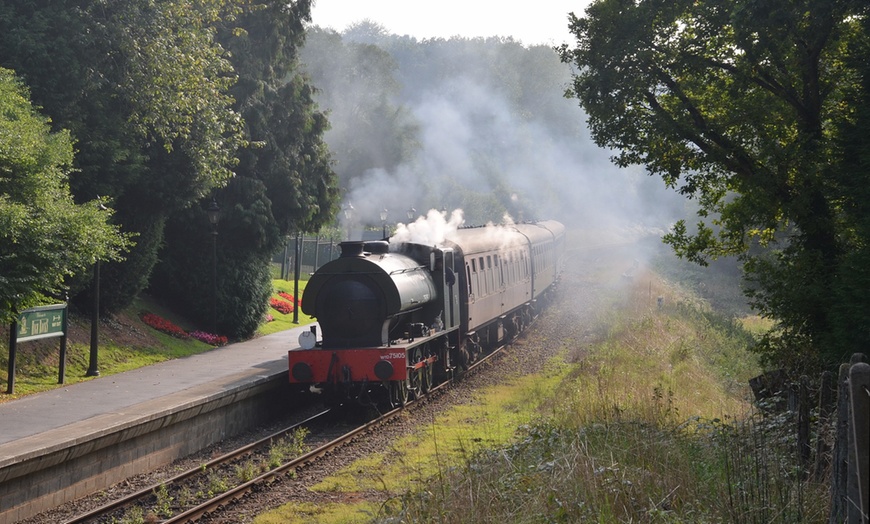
x,y
60,445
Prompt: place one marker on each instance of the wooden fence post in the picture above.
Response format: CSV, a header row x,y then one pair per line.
x,y
803,418
827,403
840,455
859,385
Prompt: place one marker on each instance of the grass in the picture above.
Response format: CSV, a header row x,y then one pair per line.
x,y
282,322
353,512
487,421
37,362
653,425
651,422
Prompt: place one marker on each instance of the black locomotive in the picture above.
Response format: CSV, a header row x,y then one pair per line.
x,y
397,318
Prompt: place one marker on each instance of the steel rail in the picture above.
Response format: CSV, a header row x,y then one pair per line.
x,y
227,457
195,513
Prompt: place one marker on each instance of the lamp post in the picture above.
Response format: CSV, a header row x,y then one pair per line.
x,y
384,215
297,265
214,216
93,367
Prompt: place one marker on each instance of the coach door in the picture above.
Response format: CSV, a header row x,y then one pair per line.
x,y
451,289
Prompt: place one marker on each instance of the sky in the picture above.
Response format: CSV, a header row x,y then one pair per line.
x,y
539,22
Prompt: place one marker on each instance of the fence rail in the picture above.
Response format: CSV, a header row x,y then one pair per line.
x,y
312,253
841,406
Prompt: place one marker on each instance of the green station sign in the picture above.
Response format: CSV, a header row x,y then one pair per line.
x,y
41,322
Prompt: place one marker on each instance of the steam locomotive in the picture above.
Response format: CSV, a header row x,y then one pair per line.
x,y
399,318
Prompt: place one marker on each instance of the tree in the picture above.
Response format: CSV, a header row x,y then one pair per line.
x,y
357,82
283,181
246,239
44,236
283,124
142,86
739,105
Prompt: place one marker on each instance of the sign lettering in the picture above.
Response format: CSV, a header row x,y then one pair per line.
x,y
41,322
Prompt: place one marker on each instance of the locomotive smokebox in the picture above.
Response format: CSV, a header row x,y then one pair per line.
x,y
360,297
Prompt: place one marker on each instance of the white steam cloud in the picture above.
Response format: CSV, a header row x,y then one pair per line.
x,y
475,144
430,229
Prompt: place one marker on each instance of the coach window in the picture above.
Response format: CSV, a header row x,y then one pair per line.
x,y
481,277
489,287
478,287
468,278
493,272
490,275
475,287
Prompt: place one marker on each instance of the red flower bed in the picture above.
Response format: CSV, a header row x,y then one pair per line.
x,y
282,306
161,324
165,326
208,338
289,297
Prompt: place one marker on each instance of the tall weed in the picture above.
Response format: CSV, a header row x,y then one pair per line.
x,y
654,424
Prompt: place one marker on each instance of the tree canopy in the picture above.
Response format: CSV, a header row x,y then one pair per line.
x,y
44,236
141,86
369,129
170,102
283,182
744,106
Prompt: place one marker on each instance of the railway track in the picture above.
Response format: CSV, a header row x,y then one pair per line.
x,y
149,498
195,513
166,502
